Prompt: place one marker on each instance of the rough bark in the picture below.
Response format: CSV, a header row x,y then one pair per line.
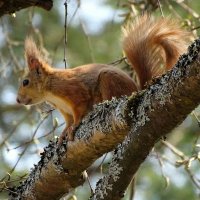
x,y
163,106
145,117
11,6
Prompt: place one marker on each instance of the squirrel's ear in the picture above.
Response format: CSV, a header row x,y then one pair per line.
x,y
33,63
32,54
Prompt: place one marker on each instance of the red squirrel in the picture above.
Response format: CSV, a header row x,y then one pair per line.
x,y
151,46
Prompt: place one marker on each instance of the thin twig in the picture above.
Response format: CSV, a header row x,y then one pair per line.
x,y
88,180
132,189
39,138
24,150
88,40
116,62
75,12
15,128
160,7
160,161
65,34
174,150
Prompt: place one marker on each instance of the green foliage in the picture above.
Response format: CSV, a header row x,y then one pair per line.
x,y
83,47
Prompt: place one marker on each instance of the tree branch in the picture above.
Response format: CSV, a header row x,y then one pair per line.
x,y
147,116
154,113
11,6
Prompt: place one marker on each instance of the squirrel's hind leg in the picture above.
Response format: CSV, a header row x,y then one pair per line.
x,y
115,84
67,133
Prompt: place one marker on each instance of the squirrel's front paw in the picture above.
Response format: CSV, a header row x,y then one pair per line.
x,y
67,134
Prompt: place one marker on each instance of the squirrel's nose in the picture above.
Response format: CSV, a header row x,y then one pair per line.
x,y
18,101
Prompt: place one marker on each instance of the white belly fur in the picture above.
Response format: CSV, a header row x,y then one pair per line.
x,y
59,103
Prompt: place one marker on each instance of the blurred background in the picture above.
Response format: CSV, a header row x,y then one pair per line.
x,y
93,32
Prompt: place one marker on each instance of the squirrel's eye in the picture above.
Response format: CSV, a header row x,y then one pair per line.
x,y
25,82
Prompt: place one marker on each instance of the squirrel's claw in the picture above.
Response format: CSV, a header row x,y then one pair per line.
x,y
67,134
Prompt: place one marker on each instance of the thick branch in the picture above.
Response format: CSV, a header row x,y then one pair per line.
x,y
11,6
147,116
163,106
61,167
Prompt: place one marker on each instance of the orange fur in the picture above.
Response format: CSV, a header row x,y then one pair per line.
x,y
150,44
147,44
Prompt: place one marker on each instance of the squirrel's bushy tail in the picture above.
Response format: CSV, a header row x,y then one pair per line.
x,y
153,46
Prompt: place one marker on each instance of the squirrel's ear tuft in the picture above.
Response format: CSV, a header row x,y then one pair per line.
x,y
32,54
